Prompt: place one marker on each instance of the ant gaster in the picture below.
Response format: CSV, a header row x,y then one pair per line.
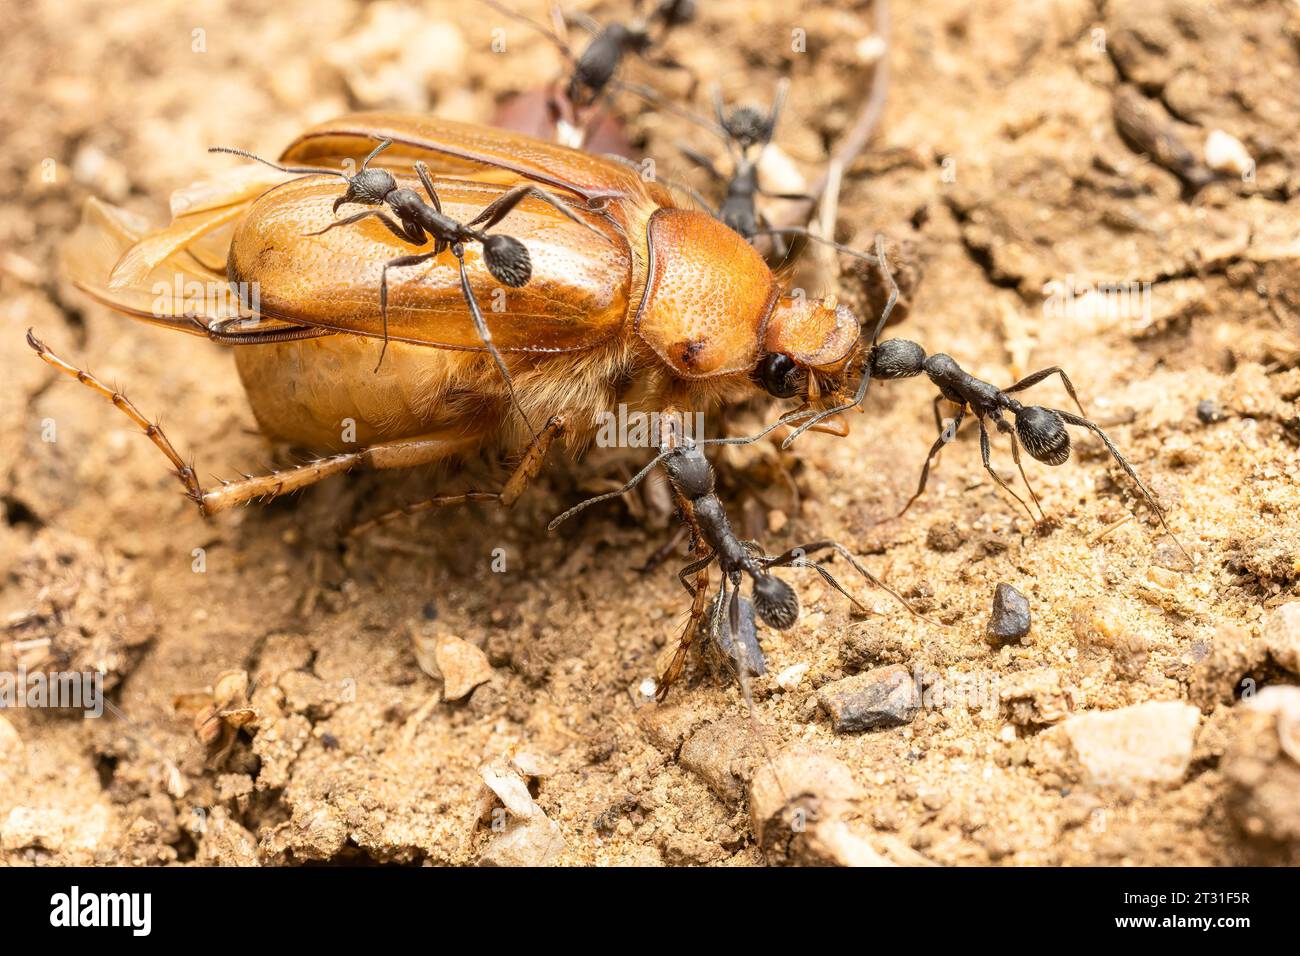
x,y
693,483
1041,429
505,257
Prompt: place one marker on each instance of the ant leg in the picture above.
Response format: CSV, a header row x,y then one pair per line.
x,y
661,102
501,207
411,232
480,325
152,429
694,568
551,35
1036,377
661,553
672,63
700,592
1128,470
702,161
669,182
1015,454
938,421
397,263
984,453
943,439
520,479
798,557
778,103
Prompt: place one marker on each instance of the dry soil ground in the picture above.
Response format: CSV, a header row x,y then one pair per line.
x,y
1007,162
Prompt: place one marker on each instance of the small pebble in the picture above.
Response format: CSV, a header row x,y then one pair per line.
x,y
1281,633
884,697
792,676
944,538
461,665
1010,620
1142,744
1224,153
1209,411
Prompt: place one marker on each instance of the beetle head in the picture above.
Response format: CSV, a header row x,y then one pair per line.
x,y
804,336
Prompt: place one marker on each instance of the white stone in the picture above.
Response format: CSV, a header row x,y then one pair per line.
x,y
1146,743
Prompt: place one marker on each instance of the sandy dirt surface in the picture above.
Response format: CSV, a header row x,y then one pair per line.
x,y
1026,149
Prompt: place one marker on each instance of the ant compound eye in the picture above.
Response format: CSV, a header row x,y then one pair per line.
x,y
897,358
507,260
776,602
1043,434
781,375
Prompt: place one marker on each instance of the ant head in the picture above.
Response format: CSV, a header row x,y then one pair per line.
x,y
1042,432
775,601
369,187
781,376
897,358
747,126
689,471
507,259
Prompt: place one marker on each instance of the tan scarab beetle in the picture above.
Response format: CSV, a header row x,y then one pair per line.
x,y
641,301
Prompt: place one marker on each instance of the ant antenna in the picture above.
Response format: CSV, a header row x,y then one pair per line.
x,y
300,170
632,483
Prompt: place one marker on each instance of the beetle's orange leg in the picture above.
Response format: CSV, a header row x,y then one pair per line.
x,y
389,455
525,471
700,593
228,494
184,471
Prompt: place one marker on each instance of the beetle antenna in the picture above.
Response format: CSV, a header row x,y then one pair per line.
x,y
301,170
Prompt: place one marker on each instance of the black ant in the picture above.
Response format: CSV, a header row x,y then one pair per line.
x,y
506,258
741,129
693,483
595,69
1040,429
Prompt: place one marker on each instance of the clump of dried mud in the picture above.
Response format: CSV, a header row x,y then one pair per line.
x,y
1011,170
